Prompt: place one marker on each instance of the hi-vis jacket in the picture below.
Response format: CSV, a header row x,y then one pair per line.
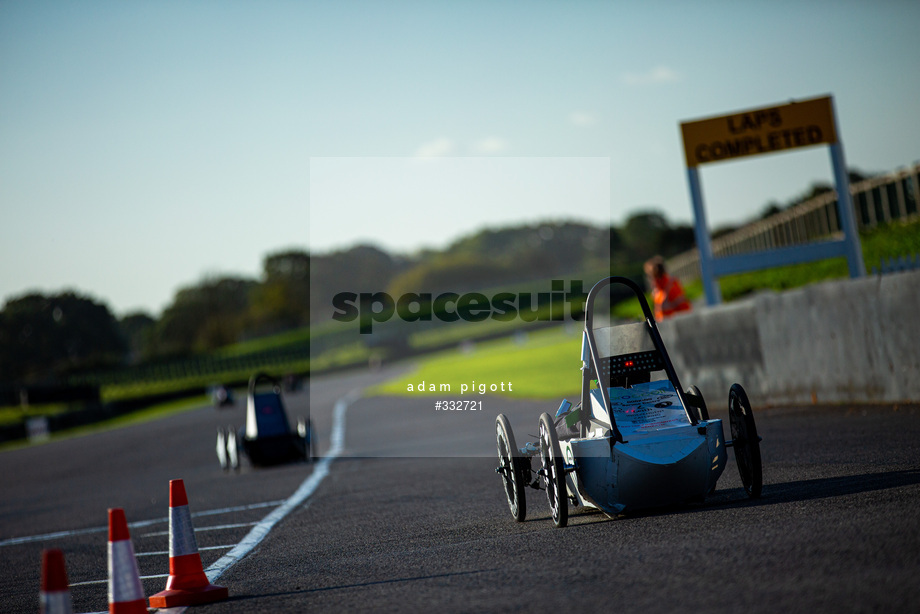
x,y
669,298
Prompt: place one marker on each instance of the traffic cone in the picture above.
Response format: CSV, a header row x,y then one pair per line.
x,y
187,583
126,595
54,597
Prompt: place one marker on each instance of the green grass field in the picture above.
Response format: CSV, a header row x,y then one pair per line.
x,y
15,415
145,415
543,365
890,240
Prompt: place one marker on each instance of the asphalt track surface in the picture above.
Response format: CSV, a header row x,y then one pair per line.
x,y
411,517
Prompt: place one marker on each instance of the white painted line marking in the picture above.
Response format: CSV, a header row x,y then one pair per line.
x,y
219,527
307,488
237,508
133,525
39,538
88,582
166,552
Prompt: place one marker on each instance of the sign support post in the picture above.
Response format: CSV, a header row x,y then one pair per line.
x,y
845,209
703,244
759,131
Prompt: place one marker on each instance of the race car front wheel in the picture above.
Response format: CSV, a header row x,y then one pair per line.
x,y
510,464
233,450
553,471
222,449
745,441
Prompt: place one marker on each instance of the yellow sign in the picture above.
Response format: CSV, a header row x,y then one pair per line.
x,y
759,131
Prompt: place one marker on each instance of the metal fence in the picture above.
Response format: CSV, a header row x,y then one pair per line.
x,y
877,200
906,262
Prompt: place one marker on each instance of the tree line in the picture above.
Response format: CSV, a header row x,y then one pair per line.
x,y
47,337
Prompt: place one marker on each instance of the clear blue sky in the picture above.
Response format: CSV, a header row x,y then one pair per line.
x,y
144,145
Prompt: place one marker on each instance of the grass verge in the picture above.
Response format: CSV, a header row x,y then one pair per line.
x,y
542,365
144,415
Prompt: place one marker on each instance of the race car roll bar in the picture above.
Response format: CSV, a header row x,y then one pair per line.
x,y
592,369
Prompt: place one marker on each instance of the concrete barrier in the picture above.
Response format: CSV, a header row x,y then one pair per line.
x,y
840,341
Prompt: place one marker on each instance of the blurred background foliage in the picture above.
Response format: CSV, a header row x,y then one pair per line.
x,y
46,337
53,337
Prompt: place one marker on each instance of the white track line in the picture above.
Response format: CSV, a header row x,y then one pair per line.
x,y
307,488
236,508
133,525
217,527
200,548
88,582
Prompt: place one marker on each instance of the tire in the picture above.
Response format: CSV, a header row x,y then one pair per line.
x,y
233,449
222,449
700,411
311,442
510,464
553,471
305,432
745,441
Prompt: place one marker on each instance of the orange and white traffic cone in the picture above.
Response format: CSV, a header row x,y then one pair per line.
x,y
126,594
54,597
187,583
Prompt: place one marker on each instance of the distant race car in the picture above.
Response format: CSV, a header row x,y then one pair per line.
x,y
221,396
267,439
632,442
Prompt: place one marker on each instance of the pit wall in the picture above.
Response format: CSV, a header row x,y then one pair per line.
x,y
841,341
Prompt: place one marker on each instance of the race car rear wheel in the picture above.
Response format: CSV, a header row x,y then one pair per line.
x,y
233,451
553,471
305,432
312,441
510,466
222,449
697,397
745,441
